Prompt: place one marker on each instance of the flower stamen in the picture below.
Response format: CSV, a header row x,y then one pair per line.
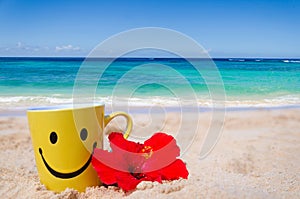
x,y
147,151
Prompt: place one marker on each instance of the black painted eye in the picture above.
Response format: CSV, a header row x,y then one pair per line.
x,y
83,134
53,137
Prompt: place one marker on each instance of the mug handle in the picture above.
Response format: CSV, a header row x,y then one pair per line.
x,y
108,118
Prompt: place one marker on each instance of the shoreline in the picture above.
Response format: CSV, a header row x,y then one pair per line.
x,y
146,100
21,111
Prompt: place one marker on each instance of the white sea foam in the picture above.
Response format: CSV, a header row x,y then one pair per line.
x,y
19,102
291,61
28,100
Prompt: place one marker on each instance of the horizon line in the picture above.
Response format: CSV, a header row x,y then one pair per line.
x,y
84,57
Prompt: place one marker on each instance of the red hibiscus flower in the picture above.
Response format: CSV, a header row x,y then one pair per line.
x,y
129,163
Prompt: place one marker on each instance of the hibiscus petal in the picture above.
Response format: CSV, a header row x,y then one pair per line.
x,y
164,144
119,143
154,176
165,152
160,140
127,182
106,174
126,152
114,160
129,163
174,171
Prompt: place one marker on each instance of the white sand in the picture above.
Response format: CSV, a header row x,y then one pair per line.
x,y
257,156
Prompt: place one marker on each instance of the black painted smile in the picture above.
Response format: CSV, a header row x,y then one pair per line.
x,y
66,175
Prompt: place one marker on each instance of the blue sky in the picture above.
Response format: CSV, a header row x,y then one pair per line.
x,y
257,28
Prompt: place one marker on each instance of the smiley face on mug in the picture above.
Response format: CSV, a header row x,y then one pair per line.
x,y
54,140
63,146
64,138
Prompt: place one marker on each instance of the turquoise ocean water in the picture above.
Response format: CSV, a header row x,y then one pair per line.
x,y
43,81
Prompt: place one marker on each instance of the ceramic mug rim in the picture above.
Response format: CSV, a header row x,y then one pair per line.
x,y
64,107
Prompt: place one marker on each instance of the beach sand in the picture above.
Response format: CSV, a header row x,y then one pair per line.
x,y
257,156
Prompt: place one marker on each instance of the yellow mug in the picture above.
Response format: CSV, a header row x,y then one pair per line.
x,y
64,138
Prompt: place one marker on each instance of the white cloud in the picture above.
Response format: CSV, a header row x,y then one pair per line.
x,y
19,44
22,49
27,48
67,48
